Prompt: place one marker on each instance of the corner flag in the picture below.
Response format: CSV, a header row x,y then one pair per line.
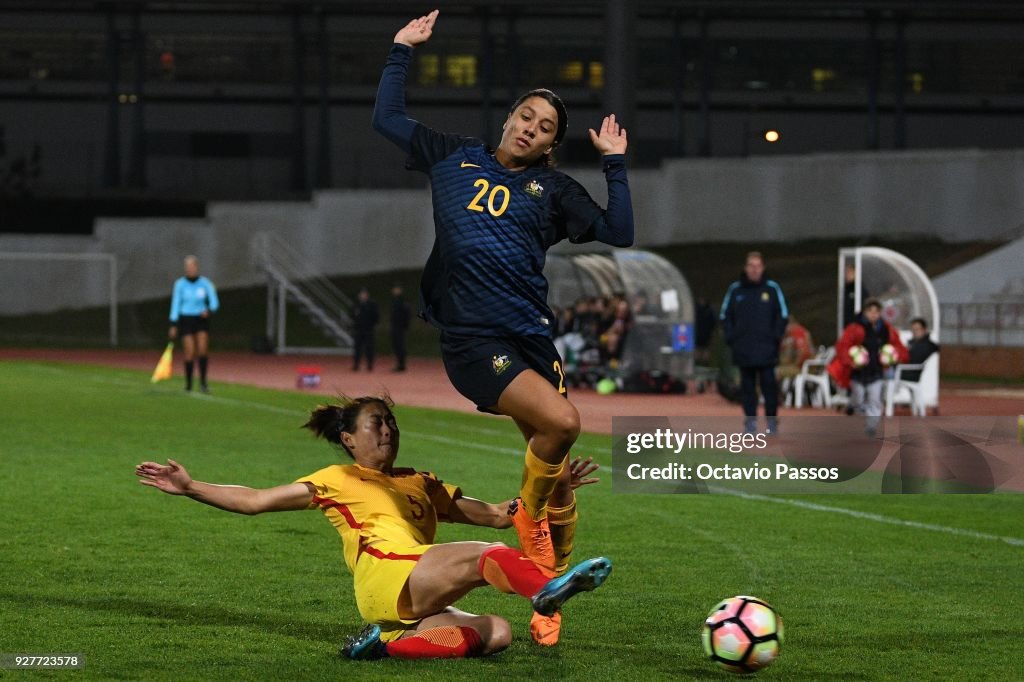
x,y
163,368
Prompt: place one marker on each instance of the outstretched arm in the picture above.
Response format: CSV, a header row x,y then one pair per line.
x,y
389,117
475,512
615,228
173,479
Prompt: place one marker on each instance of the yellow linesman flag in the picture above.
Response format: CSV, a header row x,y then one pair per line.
x,y
163,368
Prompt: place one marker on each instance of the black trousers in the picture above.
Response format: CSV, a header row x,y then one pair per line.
x,y
398,348
364,342
749,376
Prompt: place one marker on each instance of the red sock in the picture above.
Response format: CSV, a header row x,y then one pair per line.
x,y
450,641
510,571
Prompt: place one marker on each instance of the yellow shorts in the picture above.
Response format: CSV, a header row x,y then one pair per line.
x,y
382,570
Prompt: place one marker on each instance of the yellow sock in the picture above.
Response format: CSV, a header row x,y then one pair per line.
x,y
539,479
562,522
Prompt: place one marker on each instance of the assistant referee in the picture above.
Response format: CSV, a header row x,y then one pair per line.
x,y
193,300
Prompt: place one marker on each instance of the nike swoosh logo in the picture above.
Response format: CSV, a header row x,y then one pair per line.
x,y
467,164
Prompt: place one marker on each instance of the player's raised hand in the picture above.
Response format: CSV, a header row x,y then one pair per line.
x,y
417,31
579,469
173,479
611,139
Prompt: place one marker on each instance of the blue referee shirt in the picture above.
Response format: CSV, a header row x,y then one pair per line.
x,y
193,297
493,226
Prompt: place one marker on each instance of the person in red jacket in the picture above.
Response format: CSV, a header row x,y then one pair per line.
x,y
866,379
796,347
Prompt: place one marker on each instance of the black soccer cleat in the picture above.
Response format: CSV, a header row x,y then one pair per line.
x,y
583,577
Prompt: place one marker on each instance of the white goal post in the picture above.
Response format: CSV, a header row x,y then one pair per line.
x,y
108,258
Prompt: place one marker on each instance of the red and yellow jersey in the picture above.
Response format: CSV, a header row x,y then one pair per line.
x,y
366,505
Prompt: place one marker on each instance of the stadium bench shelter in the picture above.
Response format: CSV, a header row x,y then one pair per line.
x,y
905,292
661,336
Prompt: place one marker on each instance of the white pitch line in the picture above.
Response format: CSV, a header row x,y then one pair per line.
x,y
868,516
812,506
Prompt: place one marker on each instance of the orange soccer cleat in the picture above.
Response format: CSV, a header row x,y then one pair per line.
x,y
545,629
534,538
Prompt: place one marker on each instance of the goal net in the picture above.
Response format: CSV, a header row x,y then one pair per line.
x,y
58,298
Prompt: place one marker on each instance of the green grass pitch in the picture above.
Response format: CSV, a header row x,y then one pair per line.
x,y
150,587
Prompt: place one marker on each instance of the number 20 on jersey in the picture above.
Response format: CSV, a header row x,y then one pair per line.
x,y
497,198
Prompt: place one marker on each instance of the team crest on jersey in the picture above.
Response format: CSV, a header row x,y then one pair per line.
x,y
765,296
500,363
534,188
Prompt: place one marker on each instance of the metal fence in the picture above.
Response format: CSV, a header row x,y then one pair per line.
x,y
992,323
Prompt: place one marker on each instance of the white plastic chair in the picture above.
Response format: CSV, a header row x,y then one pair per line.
x,y
920,394
814,373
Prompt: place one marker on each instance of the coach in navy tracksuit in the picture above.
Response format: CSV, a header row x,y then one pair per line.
x,y
753,318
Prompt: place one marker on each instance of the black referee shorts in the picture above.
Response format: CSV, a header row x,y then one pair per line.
x,y
190,324
482,367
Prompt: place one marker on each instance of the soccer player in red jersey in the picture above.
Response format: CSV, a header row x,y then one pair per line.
x,y
404,584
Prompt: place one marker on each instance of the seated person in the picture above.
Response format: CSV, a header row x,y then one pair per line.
x,y
921,347
795,348
614,336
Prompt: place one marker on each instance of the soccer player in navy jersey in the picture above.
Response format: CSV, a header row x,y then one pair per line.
x,y
496,212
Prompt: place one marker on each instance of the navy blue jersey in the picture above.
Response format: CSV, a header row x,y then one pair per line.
x,y
493,229
493,226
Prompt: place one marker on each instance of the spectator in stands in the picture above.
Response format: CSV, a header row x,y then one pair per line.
x,y
614,336
568,340
795,349
642,306
921,347
600,318
400,316
193,300
364,325
566,321
581,316
866,381
753,317
704,328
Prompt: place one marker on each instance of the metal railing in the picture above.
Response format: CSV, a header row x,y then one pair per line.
x,y
290,278
986,323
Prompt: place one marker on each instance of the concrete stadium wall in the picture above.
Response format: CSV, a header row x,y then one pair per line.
x,y
951,195
345,232
954,196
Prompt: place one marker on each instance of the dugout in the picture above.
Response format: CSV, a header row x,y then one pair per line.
x,y
661,333
905,292
898,282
